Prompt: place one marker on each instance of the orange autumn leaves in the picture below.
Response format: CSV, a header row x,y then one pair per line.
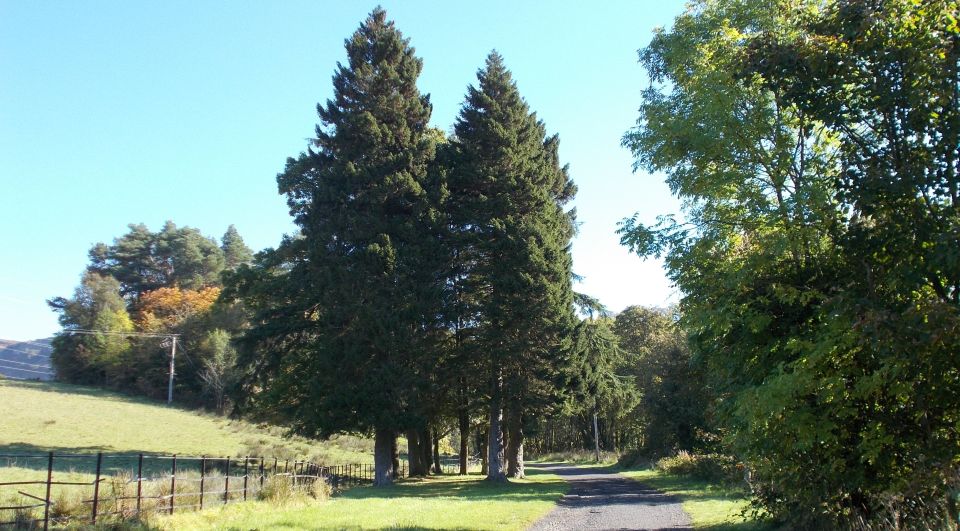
x,y
164,308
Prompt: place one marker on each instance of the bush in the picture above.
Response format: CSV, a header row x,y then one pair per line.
x,y
708,467
282,490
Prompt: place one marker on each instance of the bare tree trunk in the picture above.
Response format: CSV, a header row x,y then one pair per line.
x,y
384,471
437,469
495,471
515,467
464,421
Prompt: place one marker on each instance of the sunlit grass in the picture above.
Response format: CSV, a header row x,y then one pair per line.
x,y
710,506
448,502
45,416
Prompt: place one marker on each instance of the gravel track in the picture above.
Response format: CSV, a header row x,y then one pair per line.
x,y
607,500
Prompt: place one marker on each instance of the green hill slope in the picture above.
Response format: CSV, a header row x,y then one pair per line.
x,y
45,416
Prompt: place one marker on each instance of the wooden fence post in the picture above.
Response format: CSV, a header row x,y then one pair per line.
x,y
246,475
226,484
46,505
173,482
139,481
203,476
96,488
261,473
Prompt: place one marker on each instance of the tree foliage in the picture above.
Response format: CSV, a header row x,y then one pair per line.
x,y
507,193
815,148
164,282
360,271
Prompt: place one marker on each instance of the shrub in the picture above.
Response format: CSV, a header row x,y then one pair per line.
x,y
708,467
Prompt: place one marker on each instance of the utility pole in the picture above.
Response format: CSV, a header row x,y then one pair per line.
x,y
173,357
596,436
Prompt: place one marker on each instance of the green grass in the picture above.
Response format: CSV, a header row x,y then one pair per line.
x,y
40,417
449,502
44,416
710,506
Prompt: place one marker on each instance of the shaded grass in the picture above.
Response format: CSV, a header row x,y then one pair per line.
x,y
710,506
447,502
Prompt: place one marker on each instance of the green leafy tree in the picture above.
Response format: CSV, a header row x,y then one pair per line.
x,y
359,277
814,145
96,305
674,394
508,193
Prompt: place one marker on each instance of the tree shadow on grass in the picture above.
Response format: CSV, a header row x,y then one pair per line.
x,y
470,487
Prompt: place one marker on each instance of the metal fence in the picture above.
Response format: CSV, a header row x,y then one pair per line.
x,y
53,489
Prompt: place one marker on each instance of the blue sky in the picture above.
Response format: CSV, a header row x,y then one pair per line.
x,y
124,112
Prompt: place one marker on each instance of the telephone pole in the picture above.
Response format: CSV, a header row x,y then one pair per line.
x,y
173,357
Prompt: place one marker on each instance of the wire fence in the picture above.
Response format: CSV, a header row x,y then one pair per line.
x,y
54,489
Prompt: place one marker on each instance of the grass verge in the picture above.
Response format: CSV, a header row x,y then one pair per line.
x,y
447,502
710,506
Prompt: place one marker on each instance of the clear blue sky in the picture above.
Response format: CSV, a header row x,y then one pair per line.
x,y
122,112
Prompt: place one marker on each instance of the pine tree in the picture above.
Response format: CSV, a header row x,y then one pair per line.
x,y
235,251
350,325
509,192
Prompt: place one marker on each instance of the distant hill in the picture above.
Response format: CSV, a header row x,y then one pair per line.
x,y
26,360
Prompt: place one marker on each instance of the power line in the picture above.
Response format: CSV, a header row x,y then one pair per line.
x,y
26,352
33,343
27,364
47,373
115,333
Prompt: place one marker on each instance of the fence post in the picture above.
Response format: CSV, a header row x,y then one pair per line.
x,y
96,487
139,481
46,505
173,482
246,475
226,484
261,473
203,476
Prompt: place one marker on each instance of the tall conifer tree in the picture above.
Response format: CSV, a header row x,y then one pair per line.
x,y
510,192
358,297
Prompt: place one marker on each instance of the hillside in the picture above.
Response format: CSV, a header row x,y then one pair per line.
x,y
26,360
44,416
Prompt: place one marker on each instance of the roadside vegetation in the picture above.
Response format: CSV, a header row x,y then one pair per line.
x,y
447,502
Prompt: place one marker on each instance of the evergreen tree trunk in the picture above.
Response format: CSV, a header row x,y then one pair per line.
x,y
464,421
383,443
395,457
515,468
437,469
426,455
495,469
482,439
414,454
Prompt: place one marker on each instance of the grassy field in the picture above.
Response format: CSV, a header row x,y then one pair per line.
x,y
448,502
44,416
710,506
40,417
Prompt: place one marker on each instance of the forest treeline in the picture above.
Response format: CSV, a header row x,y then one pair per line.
x,y
144,285
429,290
